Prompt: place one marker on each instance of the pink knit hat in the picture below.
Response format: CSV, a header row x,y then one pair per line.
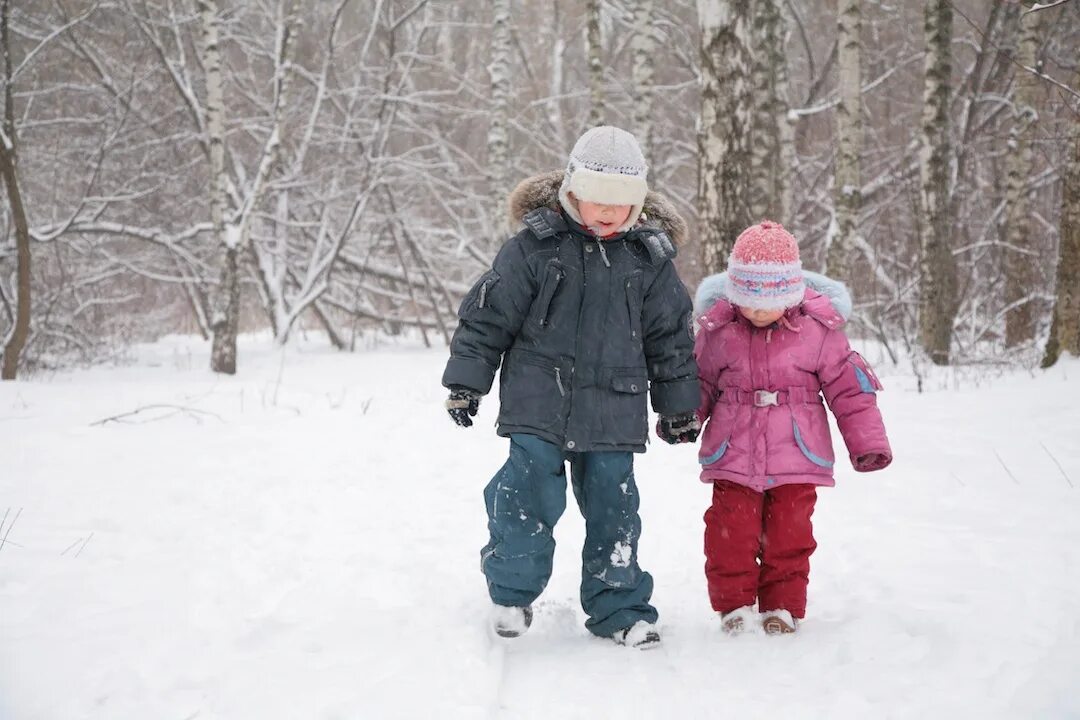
x,y
764,270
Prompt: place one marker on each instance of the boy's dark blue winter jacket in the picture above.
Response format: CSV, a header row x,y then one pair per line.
x,y
582,327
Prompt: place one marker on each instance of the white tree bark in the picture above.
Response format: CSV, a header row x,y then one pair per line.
x,y
723,160
225,319
597,111
772,133
233,235
937,306
846,194
643,47
498,139
1019,228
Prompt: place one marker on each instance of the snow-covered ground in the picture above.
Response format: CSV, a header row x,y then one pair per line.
x,y
302,541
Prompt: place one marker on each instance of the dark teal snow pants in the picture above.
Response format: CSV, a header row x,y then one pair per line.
x,y
524,501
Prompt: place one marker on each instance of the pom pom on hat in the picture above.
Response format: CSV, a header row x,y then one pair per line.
x,y
764,268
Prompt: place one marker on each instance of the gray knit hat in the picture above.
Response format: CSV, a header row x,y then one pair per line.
x,y
606,166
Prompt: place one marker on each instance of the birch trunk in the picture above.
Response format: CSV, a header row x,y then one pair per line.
x,y
596,68
772,135
847,200
9,170
643,47
1065,328
722,132
225,319
1020,257
937,301
498,139
235,234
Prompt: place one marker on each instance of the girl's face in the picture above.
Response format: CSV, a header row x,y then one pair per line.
x,y
761,318
602,219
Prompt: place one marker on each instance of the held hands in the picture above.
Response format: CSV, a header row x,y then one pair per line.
x,y
462,405
675,429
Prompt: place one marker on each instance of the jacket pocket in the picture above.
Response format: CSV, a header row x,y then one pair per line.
x,y
549,286
625,416
634,303
715,456
477,298
716,438
812,435
532,392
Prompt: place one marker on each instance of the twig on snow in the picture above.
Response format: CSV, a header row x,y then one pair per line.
x,y
1061,469
4,537
176,409
85,542
1006,467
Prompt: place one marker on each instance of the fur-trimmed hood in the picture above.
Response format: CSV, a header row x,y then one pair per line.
x,y
543,191
714,289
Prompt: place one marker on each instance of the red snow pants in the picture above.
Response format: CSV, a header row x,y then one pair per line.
x,y
744,528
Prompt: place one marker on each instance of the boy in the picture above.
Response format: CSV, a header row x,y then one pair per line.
x,y
585,312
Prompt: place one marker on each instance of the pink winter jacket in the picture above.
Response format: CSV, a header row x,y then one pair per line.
x,y
761,394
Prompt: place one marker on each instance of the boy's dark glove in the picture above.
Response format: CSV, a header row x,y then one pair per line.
x,y
462,405
675,429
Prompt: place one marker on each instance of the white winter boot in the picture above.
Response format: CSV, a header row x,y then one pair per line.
x,y
738,620
510,621
641,635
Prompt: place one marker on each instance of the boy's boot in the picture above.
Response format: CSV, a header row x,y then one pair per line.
x,y
779,622
509,621
641,635
736,621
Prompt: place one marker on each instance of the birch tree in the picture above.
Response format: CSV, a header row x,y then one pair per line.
x,y
597,111
937,288
1065,328
771,134
723,161
226,317
846,185
498,138
233,235
1019,249
643,47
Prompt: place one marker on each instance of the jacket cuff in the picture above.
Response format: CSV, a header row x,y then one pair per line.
x,y
469,372
675,396
882,460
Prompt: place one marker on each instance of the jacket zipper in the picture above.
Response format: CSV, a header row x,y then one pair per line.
x,y
558,381
603,252
483,295
550,297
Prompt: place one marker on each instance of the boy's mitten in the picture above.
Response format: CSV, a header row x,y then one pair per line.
x,y
462,405
675,429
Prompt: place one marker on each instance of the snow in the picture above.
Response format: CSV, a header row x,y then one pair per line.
x,y
302,541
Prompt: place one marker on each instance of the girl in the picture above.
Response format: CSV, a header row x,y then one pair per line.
x,y
767,349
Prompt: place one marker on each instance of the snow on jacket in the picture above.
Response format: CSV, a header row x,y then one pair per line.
x,y
761,392
582,328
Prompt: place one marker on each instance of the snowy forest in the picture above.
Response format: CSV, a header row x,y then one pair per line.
x,y
224,166
296,422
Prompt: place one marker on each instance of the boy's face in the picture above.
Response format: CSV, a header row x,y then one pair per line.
x,y
761,318
602,219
